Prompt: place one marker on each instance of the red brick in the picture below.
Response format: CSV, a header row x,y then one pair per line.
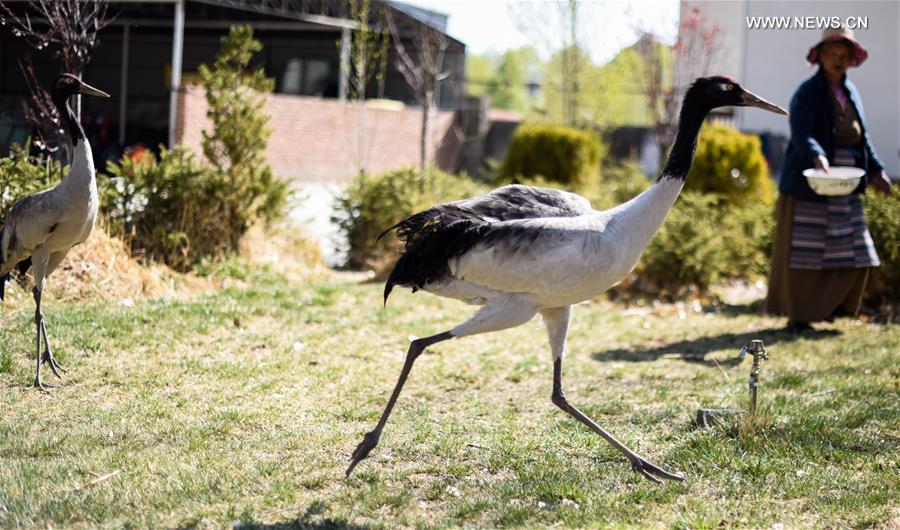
x,y
316,140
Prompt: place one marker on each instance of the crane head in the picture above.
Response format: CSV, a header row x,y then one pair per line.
x,y
723,91
68,85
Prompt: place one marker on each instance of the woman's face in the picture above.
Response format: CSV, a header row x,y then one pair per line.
x,y
835,59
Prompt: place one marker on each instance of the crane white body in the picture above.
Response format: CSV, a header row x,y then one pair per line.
x,y
576,259
519,251
580,258
46,225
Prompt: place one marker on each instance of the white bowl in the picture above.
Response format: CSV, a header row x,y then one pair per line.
x,y
839,180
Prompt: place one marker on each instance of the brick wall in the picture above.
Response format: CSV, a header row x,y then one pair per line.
x,y
316,140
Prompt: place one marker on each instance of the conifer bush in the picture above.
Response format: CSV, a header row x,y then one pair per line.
x,y
883,218
235,146
730,163
556,153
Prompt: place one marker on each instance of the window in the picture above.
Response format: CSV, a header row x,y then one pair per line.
x,y
309,77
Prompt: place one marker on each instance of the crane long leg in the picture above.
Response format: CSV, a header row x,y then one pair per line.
x,y
39,326
53,261
499,313
638,463
370,440
557,322
40,261
48,357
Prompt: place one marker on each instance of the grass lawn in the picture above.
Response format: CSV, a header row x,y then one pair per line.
x,y
240,408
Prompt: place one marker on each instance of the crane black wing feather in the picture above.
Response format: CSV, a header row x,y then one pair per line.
x,y
432,237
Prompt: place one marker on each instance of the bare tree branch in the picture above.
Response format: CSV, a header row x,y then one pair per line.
x,y
668,72
423,70
69,25
40,112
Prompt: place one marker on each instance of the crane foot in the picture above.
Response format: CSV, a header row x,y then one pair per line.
x,y
40,385
370,440
648,470
48,358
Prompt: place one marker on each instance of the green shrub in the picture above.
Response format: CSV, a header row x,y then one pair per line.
x,y
731,163
373,203
22,175
556,153
883,218
168,209
705,240
180,209
749,232
687,250
618,183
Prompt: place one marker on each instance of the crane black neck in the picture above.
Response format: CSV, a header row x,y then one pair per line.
x,y
73,127
693,112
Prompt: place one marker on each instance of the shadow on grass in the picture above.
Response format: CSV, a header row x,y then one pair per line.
x,y
311,519
695,350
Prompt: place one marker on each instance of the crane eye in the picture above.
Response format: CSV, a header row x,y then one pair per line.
x,y
727,86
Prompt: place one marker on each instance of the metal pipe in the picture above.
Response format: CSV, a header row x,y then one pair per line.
x,y
177,52
123,85
344,70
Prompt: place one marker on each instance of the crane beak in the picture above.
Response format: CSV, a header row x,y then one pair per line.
x,y
749,99
88,90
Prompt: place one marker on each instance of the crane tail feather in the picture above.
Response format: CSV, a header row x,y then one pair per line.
x,y
377,239
388,287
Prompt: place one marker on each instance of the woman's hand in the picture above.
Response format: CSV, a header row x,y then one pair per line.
x,y
821,163
880,181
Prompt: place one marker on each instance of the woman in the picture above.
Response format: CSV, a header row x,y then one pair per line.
x,y
823,250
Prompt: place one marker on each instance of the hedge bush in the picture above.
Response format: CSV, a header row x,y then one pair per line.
x,y
705,240
558,154
373,203
883,218
618,183
730,163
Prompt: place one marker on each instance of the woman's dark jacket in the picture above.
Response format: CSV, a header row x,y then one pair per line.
x,y
812,134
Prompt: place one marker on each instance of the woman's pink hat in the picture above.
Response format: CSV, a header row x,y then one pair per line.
x,y
839,35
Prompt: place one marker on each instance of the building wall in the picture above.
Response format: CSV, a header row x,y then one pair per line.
x,y
316,140
773,62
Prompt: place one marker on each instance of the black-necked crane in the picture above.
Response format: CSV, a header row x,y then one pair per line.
x,y
520,250
39,229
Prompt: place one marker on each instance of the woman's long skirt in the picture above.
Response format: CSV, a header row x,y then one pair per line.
x,y
809,294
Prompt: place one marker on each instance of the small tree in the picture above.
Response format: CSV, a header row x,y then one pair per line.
x,y
70,26
560,28
368,59
236,145
668,72
423,70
